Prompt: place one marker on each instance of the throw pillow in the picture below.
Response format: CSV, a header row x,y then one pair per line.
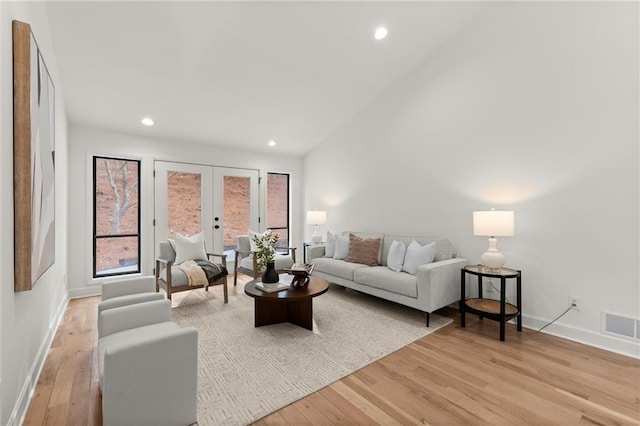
x,y
395,258
418,255
254,246
189,248
330,247
363,250
342,247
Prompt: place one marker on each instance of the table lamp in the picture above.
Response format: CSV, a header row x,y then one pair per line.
x,y
316,217
492,224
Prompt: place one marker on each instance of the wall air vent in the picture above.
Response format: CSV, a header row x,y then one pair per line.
x,y
620,325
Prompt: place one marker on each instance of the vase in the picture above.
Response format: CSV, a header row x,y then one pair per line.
x,y
270,274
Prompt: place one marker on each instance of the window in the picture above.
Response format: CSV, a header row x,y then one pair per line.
x,y
278,206
116,216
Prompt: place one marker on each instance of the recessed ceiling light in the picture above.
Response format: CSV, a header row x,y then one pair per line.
x,y
272,143
381,33
147,121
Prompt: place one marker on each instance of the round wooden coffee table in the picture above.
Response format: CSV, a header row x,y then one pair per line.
x,y
294,305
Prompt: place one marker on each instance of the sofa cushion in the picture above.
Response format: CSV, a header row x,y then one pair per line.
x,y
395,258
363,250
178,277
418,255
444,248
330,247
339,268
342,247
189,248
385,279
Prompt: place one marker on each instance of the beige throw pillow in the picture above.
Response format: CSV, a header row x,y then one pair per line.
x,y
363,250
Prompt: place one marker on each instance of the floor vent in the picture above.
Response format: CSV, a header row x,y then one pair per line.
x,y
620,325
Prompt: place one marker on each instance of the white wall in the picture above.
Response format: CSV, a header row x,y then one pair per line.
x,y
86,142
534,108
27,320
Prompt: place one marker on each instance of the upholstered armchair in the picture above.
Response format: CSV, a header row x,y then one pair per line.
x,y
246,263
148,366
172,279
128,291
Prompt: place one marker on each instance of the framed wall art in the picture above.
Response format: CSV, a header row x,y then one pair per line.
x,y
33,160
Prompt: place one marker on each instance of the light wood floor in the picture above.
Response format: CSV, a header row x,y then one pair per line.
x,y
453,376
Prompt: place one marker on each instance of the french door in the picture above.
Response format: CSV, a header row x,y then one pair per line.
x,y
235,206
189,198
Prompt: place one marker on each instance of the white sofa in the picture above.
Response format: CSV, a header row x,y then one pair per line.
x,y
434,286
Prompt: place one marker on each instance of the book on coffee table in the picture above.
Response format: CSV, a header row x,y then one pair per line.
x,y
270,288
301,268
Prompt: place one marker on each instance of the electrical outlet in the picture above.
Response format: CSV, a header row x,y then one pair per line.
x,y
575,302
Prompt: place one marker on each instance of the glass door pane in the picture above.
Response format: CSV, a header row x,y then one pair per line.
x,y
236,216
235,207
183,201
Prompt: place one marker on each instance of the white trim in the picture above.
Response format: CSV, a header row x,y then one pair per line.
x,y
587,337
28,389
77,293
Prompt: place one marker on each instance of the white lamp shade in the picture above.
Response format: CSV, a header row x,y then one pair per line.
x,y
316,217
493,223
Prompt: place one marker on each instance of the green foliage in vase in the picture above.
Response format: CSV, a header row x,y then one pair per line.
x,y
266,249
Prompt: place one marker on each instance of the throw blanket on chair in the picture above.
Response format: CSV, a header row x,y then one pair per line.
x,y
194,273
203,272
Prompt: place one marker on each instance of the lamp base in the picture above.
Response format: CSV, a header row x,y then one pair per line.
x,y
492,258
316,237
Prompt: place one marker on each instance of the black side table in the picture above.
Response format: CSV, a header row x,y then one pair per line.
x,y
497,310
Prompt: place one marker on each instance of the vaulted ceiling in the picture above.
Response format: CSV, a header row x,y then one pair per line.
x,y
239,74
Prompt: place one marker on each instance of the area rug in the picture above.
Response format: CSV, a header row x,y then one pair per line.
x,y
246,373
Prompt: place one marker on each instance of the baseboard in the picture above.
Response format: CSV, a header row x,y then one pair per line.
x,y
29,387
77,293
587,337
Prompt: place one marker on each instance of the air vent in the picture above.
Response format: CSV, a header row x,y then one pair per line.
x,y
621,326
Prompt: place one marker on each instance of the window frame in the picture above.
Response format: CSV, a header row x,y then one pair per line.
x,y
288,227
95,237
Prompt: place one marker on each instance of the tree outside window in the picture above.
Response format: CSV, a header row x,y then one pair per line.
x,y
116,216
278,206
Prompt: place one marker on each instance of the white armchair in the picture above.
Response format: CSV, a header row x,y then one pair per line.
x,y
127,291
148,366
246,263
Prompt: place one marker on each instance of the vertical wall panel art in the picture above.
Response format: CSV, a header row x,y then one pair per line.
x,y
33,160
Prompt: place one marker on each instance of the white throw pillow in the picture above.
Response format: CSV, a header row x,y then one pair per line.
x,y
330,247
342,247
418,255
395,258
254,246
189,248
